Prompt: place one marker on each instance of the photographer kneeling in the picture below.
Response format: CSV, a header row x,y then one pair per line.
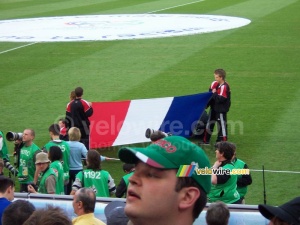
x,y
47,179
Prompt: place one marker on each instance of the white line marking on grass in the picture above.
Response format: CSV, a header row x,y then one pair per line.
x,y
275,171
175,6
18,47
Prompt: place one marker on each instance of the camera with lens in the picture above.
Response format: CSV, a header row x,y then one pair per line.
x,y
12,169
13,136
155,135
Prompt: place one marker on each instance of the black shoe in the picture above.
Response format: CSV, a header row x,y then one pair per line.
x,y
203,143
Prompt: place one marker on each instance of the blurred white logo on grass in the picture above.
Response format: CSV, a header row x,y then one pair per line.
x,y
113,27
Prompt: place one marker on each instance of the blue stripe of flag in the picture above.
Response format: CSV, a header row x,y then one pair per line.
x,y
184,111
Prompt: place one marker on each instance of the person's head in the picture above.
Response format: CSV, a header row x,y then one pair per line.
x,y
54,130
28,136
220,75
62,123
159,174
7,188
84,201
74,134
127,167
55,153
115,214
224,151
217,214
48,216
93,160
78,92
42,161
72,95
286,214
17,212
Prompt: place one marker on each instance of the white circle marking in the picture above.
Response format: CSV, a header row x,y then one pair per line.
x,y
113,27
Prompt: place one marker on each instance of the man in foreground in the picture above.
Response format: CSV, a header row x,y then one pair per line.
x,y
158,192
84,206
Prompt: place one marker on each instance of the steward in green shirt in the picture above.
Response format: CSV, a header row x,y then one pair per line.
x,y
63,145
94,177
224,186
47,181
55,156
26,159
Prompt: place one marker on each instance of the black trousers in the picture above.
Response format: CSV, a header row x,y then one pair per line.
x,y
221,120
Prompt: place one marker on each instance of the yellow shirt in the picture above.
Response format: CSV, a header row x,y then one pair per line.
x,y
87,219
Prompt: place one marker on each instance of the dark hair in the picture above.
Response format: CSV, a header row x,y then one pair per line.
x,y
217,214
17,212
55,153
48,216
221,73
88,198
128,167
226,148
200,203
54,128
5,183
63,120
78,91
93,160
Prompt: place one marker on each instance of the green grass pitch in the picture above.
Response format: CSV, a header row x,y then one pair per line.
x,y
261,60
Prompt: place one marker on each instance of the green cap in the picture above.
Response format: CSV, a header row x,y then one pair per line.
x,y
170,153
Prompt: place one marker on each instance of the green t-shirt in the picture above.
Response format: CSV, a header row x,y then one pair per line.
x,y
59,172
27,165
226,192
65,148
97,180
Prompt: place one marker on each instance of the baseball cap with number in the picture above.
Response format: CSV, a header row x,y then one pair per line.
x,y
170,153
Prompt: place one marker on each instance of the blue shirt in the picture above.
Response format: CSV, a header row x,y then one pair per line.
x,y
3,204
77,151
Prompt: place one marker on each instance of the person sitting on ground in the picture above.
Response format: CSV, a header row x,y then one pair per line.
x,y
217,214
17,212
286,214
84,202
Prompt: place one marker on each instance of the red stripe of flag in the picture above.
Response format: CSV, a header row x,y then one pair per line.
x,y
106,122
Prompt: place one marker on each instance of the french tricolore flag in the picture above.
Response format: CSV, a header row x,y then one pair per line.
x,y
125,122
